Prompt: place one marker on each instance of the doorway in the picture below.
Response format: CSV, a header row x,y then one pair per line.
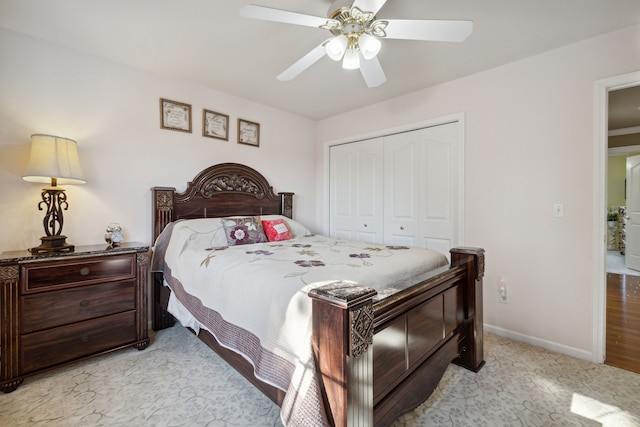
x,y
602,89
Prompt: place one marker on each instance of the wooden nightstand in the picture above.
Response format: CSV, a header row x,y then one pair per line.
x,y
59,308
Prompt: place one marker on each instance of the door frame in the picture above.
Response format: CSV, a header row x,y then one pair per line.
x,y
601,146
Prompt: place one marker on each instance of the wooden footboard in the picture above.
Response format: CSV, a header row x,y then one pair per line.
x,y
380,360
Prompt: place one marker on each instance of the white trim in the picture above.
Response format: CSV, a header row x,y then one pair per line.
x,y
602,89
623,151
452,118
625,131
538,342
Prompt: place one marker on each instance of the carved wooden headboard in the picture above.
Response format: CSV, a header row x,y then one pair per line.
x,y
225,189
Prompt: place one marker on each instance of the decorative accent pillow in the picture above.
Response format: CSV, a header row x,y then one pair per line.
x,y
276,230
243,230
295,227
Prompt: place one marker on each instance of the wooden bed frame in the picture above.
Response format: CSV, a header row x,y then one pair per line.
x,y
376,359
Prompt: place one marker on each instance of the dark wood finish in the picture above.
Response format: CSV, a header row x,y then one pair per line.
x,y
41,276
57,345
225,189
623,322
50,309
58,308
371,371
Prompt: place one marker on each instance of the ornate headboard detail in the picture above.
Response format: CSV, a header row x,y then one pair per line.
x,y
221,190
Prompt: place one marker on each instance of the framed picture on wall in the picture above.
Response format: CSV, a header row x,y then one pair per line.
x,y
215,125
175,115
248,133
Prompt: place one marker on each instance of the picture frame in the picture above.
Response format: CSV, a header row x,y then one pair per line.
x,y
215,125
175,115
248,133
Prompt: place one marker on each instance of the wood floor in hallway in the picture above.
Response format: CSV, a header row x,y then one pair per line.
x,y
623,322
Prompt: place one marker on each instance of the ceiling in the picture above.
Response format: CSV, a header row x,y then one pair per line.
x,y
208,43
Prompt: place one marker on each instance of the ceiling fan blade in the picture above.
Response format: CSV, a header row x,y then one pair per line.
x,y
429,30
372,72
285,16
303,63
369,5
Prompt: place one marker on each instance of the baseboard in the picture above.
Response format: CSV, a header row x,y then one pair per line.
x,y
538,342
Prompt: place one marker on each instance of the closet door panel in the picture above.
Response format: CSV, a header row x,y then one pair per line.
x,y
368,195
401,189
356,175
342,218
420,187
438,197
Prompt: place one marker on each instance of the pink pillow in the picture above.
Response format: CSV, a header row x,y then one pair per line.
x,y
276,230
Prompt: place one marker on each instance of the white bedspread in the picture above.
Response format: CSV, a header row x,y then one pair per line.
x,y
253,298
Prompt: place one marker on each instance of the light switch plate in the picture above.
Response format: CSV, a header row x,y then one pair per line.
x,y
558,210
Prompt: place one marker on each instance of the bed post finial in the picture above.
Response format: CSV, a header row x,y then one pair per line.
x,y
471,349
342,344
287,204
163,209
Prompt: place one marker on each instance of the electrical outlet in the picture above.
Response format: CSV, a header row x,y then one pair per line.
x,y
502,291
503,295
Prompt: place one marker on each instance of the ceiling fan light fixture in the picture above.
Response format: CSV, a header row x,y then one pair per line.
x,y
337,47
369,46
351,59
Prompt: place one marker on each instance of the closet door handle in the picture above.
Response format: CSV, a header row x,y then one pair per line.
x,y
401,227
365,226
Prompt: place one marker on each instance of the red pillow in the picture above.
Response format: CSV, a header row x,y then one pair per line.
x,y
276,230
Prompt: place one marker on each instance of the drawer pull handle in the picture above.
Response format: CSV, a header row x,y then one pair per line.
x,y
84,340
84,303
84,271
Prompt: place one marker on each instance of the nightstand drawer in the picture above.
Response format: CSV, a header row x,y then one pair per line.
x,y
51,309
51,347
47,276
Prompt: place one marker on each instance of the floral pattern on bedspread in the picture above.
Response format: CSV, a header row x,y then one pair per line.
x,y
258,296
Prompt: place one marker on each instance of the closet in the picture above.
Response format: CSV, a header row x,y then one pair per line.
x,y
400,189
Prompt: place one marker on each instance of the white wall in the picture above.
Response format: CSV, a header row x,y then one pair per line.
x,y
529,144
112,111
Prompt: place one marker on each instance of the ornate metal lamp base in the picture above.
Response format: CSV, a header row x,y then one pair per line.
x,y
52,244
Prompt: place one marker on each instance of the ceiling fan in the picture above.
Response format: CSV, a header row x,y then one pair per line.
x,y
357,33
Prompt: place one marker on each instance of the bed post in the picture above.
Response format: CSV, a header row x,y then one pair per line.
x,y
287,204
163,208
471,348
343,348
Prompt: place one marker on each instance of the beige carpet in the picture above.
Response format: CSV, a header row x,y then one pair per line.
x,y
178,381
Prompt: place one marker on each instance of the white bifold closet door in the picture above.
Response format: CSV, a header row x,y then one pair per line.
x,y
356,191
420,183
402,189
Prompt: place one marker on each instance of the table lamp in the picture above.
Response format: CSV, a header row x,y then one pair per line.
x,y
54,160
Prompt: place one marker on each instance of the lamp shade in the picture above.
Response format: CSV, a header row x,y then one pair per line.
x,y
351,60
336,47
54,157
369,46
